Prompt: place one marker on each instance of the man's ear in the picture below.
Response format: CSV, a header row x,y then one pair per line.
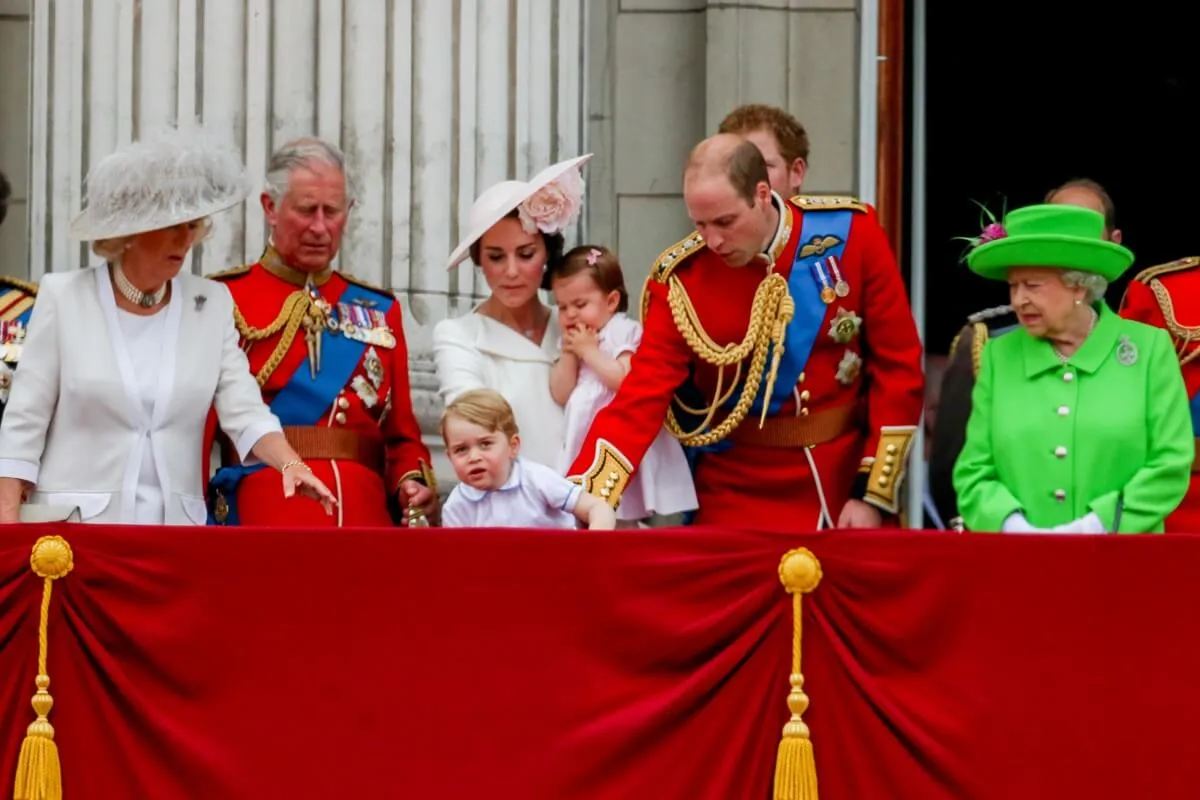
x,y
1115,236
796,174
514,444
268,207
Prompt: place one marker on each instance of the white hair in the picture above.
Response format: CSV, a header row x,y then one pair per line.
x,y
1093,285
299,154
113,250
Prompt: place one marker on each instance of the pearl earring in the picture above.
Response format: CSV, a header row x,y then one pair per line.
x,y
1078,302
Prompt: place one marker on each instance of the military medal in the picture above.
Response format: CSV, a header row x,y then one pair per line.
x,y
845,326
827,293
374,367
840,287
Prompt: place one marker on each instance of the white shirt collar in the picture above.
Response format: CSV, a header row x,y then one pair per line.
x,y
513,482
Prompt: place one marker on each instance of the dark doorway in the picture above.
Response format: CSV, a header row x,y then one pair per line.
x,y
1025,96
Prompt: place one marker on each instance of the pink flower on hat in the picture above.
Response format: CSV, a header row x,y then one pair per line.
x,y
991,233
554,206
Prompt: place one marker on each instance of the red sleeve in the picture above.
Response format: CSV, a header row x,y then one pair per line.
x,y
407,455
1140,305
895,377
625,429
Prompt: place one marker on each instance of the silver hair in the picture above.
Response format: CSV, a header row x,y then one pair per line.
x,y
298,154
113,250
1094,285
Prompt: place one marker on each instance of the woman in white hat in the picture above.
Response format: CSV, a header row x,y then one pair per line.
x,y
510,341
122,362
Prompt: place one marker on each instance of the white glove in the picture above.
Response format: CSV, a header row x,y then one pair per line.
x,y
1016,523
1087,524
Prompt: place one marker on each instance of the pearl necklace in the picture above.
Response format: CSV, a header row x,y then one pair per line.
x,y
1064,358
134,294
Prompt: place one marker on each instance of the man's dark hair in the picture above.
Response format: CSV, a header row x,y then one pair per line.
x,y
5,193
1101,194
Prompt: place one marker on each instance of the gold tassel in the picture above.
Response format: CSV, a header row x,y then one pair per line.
x,y
39,773
795,768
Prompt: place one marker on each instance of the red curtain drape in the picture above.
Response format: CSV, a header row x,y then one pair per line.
x,y
215,663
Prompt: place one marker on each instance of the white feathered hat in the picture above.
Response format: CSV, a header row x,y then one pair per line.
x,y
550,201
178,176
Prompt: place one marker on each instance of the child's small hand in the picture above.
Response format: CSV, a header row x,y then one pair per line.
x,y
582,340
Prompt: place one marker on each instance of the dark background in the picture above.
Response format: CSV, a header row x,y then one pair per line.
x,y
1024,96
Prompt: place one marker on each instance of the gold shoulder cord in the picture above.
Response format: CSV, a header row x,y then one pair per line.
x,y
979,338
770,313
1184,336
290,318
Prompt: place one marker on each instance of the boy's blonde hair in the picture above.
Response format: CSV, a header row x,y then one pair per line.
x,y
483,407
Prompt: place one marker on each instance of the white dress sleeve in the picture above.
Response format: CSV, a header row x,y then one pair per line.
x,y
459,363
622,336
238,401
35,389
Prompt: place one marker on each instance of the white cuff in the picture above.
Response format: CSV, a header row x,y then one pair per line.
x,y
250,436
1016,523
17,468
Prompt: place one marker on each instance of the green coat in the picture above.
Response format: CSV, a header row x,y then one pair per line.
x,y
1110,432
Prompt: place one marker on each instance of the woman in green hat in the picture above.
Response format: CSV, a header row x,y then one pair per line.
x,y
1080,420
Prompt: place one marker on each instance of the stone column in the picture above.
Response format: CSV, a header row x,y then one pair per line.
x,y
431,100
662,74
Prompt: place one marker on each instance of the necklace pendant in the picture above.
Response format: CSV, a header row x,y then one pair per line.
x,y
146,301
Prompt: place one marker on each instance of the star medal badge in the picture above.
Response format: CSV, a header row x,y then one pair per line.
x,y
373,364
844,326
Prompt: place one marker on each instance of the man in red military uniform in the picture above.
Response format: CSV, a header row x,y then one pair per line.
x,y
1167,296
329,352
796,301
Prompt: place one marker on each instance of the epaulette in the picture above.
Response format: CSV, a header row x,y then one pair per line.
x,y
989,313
1179,265
16,283
675,255
357,281
230,273
829,202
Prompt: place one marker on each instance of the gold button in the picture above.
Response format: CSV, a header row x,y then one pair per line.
x,y
887,470
339,418
883,481
343,403
804,396
614,475
889,459
801,378
891,448
605,492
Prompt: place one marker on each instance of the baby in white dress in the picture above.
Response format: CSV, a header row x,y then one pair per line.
x,y
599,341
497,488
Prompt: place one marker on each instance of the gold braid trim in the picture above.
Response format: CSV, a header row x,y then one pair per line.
x,y
979,338
17,283
1185,336
290,318
770,313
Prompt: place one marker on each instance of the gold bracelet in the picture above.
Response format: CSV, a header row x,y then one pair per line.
x,y
295,463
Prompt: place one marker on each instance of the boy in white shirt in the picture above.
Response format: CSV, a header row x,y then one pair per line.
x,y
496,487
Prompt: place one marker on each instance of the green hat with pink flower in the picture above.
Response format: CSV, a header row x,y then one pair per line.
x,y
1058,236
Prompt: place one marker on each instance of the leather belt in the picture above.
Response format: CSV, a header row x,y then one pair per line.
x,y
803,431
329,444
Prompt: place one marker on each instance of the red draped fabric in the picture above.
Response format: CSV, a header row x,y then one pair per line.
x,y
227,663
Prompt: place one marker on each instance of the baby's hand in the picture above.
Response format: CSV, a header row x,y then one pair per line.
x,y
583,339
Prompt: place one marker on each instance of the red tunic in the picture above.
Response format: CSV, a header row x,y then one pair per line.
x,y
372,411
854,409
1168,296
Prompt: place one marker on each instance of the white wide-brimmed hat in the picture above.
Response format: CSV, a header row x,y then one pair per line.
x,y
174,177
549,202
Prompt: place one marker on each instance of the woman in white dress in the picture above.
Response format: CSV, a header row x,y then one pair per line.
x,y
510,341
123,362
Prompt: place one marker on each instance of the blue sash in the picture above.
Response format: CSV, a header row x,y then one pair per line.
x,y
804,285
1195,406
304,400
